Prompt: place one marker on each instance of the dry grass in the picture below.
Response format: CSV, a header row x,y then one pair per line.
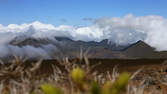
x,y
18,78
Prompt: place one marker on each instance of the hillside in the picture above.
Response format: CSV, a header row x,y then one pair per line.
x,y
66,47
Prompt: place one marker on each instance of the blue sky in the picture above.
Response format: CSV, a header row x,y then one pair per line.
x,y
72,12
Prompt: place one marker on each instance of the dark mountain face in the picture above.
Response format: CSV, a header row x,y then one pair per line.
x,y
138,45
105,44
142,50
30,42
139,49
66,47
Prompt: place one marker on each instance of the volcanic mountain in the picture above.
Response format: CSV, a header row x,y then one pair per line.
x,y
142,50
66,47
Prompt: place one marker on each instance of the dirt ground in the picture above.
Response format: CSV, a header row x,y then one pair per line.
x,y
103,65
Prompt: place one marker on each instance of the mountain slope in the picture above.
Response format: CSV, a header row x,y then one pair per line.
x,y
66,47
142,50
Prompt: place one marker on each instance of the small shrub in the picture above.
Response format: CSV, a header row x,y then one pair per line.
x,y
50,89
93,87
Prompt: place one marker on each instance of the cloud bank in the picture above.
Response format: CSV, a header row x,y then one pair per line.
x,y
125,30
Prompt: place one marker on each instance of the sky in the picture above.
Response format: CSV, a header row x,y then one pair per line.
x,y
75,12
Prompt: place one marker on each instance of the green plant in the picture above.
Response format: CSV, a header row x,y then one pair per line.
x,y
93,87
50,89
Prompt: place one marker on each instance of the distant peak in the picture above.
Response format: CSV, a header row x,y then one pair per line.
x,y
104,41
63,39
141,42
139,45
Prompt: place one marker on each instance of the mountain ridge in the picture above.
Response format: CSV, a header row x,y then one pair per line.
x,y
103,49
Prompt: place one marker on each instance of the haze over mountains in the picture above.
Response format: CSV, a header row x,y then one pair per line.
x,y
66,47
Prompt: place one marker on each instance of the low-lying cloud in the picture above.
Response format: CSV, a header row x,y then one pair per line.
x,y
125,30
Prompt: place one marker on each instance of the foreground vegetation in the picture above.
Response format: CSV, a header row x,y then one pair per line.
x,y
72,77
